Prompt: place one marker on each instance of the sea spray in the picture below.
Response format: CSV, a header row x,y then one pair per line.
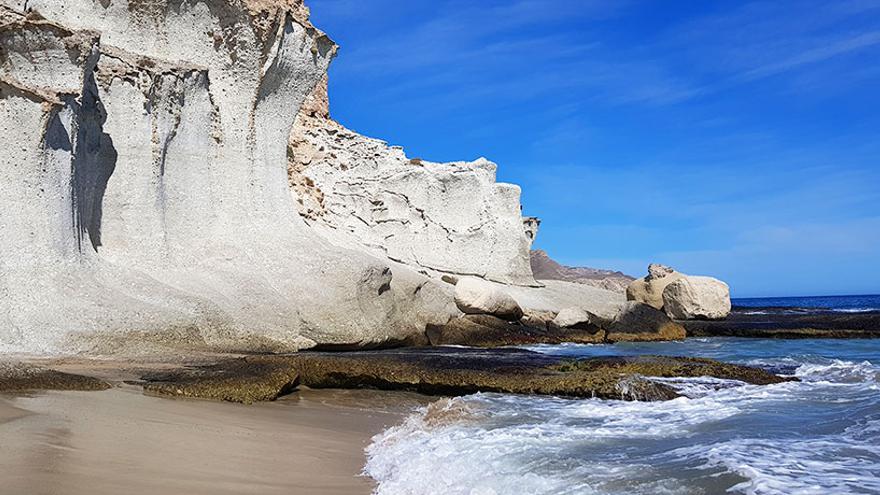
x,y
819,435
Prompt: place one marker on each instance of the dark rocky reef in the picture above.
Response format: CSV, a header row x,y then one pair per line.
x,y
634,322
489,331
447,371
246,380
788,323
15,377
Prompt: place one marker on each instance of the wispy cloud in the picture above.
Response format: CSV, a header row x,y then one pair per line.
x,y
814,55
467,45
731,138
764,39
464,45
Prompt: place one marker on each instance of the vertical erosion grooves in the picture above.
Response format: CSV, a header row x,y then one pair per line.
x,y
150,191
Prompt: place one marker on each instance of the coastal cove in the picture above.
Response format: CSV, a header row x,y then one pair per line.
x,y
212,283
719,435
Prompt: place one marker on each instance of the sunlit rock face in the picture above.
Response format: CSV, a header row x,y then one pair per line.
x,y
439,218
145,201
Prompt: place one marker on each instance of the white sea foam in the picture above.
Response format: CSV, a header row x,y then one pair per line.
x,y
836,464
838,371
501,444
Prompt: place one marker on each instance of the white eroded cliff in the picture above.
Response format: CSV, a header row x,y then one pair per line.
x,y
439,218
144,194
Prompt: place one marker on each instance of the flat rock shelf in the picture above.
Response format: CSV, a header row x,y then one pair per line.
x,y
446,371
788,323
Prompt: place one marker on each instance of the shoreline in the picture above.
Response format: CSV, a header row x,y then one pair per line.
x,y
126,440
123,441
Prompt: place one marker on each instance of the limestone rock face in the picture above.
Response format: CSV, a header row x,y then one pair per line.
x,y
692,298
143,180
154,198
649,289
439,218
571,318
556,295
475,296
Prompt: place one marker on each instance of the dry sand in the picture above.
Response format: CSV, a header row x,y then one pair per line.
x,y
120,441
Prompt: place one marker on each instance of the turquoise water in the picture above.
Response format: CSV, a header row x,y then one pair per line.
x,y
817,436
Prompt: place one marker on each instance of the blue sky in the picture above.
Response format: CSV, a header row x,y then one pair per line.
x,y
735,139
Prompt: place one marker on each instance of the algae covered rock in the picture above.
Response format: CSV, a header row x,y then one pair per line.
x,y
18,377
489,331
640,322
245,380
458,371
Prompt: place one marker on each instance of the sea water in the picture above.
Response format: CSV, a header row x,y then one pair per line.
x,y
820,435
812,304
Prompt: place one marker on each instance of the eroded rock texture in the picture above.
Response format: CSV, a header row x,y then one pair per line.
x,y
440,218
683,297
144,192
154,199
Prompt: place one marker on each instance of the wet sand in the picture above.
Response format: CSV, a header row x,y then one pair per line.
x,y
121,441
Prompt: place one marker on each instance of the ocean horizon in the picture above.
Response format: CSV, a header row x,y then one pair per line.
x,y
813,301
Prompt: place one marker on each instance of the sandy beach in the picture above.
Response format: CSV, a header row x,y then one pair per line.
x,y
121,441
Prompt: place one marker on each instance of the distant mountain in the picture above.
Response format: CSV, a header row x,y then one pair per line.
x,y
545,268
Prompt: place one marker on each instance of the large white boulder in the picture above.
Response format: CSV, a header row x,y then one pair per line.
x,y
571,318
649,289
475,296
695,297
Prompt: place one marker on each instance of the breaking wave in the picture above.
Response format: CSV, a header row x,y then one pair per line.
x,y
819,435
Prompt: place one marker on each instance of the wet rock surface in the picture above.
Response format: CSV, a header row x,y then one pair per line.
x,y
17,377
245,380
788,323
452,371
488,331
640,322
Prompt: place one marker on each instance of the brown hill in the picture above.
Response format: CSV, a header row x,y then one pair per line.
x,y
545,268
